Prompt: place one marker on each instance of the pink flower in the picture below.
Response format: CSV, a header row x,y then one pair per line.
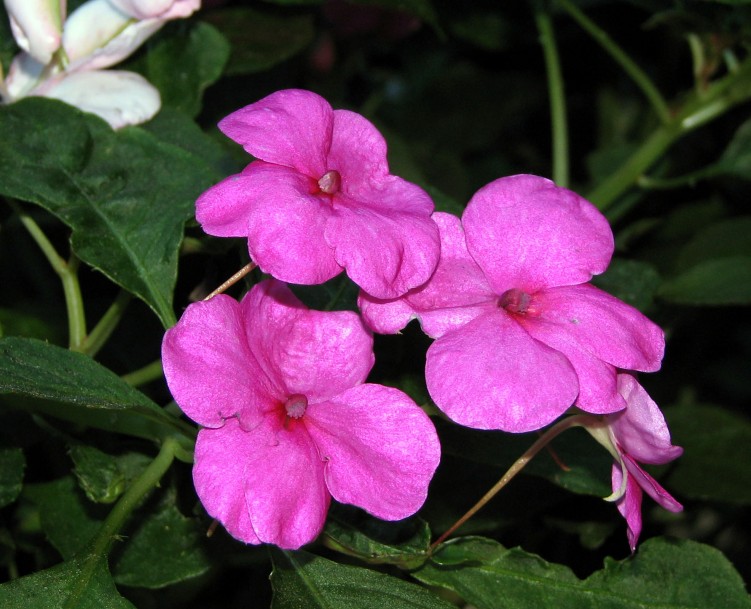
x,y
638,434
520,335
321,198
288,420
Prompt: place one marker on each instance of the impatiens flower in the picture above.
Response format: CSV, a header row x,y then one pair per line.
x,y
636,435
70,66
288,421
37,26
520,334
320,198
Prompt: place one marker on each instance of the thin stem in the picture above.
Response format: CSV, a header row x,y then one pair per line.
x,y
232,280
557,97
698,110
638,75
107,324
148,373
68,273
519,464
116,518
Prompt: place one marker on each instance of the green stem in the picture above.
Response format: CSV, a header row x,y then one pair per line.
x,y
557,97
148,373
638,75
106,325
115,520
574,421
68,273
698,110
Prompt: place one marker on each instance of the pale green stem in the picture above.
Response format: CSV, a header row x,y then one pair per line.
x,y
68,273
557,96
106,325
581,420
698,110
232,280
148,373
116,518
638,75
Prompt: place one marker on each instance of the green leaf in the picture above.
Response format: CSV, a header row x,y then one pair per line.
x,y
98,474
736,160
81,583
675,574
184,64
404,543
632,281
721,281
717,451
260,39
12,465
164,548
304,581
82,390
67,519
125,195
724,239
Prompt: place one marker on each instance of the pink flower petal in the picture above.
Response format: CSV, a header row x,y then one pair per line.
x,y
641,430
358,153
221,458
313,353
651,486
209,368
629,505
284,223
491,374
381,449
388,243
290,127
527,233
603,325
598,389
285,491
455,294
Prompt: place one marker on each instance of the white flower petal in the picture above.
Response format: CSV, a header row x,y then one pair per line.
x,y
24,75
121,98
36,26
162,9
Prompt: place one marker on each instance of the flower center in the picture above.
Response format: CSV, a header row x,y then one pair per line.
x,y
515,301
295,406
330,182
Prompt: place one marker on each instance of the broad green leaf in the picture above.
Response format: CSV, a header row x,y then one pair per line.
x,y
675,574
721,281
304,581
724,239
717,451
67,518
185,63
404,543
12,465
260,39
75,387
632,281
126,195
162,548
81,583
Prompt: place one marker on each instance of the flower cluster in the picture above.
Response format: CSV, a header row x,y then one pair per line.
x,y
65,58
521,336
